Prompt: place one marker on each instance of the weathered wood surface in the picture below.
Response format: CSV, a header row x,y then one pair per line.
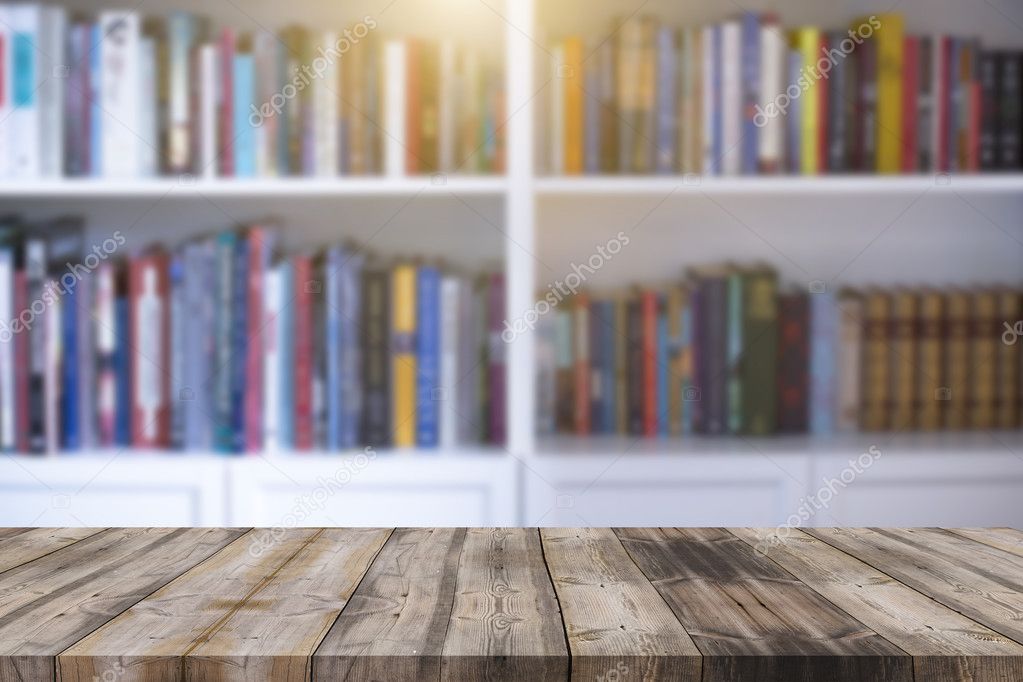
x,y
511,603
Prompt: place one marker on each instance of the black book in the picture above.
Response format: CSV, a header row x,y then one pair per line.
x,y
376,365
989,67
793,361
711,335
838,94
1010,117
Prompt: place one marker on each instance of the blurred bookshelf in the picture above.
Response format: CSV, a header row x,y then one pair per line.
x,y
536,225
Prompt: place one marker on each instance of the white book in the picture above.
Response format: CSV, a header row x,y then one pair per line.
x,y
7,415
25,123
209,59
326,114
394,108
773,53
557,138
272,301
448,131
149,127
55,71
709,158
450,294
6,91
731,98
120,92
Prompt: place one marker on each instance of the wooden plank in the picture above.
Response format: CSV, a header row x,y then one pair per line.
x,y
21,545
753,620
48,604
945,645
257,610
1006,539
453,604
505,622
980,582
617,624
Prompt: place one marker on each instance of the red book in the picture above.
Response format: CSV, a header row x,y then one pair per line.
x,y
822,116
149,289
413,106
975,94
581,340
225,126
649,318
910,93
259,257
941,98
304,287
21,367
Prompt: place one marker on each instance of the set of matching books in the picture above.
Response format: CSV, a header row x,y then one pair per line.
x,y
727,352
747,96
223,344
123,96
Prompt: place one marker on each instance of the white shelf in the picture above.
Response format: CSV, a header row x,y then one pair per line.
x,y
866,185
263,187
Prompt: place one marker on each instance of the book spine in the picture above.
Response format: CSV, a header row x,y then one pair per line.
x,y
450,312
989,66
648,320
395,105
823,363
622,355
243,84
581,358
272,358
496,357
597,394
711,96
239,303
608,120
925,105
427,356
712,356
808,41
181,31
943,97
8,303
351,355
22,368
557,109
635,373
903,333
838,96
760,353
734,351
68,379
690,393
286,348
223,437
930,377
910,115
876,393
592,111
750,91
413,106
985,332
793,119
955,393
403,349
150,319
661,364
334,399
675,305
326,116
225,111
304,286
865,151
773,66
52,413
1010,126
890,44
850,346
793,362
667,98
120,93
376,426
35,279
1007,402
571,74
180,392
258,335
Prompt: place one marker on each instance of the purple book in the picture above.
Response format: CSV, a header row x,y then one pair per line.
x,y
495,294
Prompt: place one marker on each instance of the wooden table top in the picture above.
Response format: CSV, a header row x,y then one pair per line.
x,y
511,603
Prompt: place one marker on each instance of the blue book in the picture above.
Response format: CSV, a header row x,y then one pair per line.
x,y
199,330
335,263
244,97
122,368
179,312
351,358
823,372
750,90
69,369
793,120
223,437
286,349
96,107
667,97
663,367
240,342
427,355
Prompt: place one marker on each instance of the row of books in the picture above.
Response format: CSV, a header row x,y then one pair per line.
x,y
729,352
119,95
224,344
746,96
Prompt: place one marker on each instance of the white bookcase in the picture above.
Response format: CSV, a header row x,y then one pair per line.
x,y
842,230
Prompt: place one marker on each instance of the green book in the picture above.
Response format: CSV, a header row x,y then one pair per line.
x,y
759,351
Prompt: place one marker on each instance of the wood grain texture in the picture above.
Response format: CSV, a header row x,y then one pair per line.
x,y
505,622
254,611
52,602
751,619
617,624
451,604
21,545
944,644
1007,539
980,582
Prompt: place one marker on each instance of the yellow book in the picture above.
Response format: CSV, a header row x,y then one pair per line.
x,y
572,81
889,40
403,375
807,41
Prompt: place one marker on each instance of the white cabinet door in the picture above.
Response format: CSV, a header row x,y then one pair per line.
x,y
114,489
375,490
662,490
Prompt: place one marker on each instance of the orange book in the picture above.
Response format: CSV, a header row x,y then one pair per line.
x,y
403,348
571,75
